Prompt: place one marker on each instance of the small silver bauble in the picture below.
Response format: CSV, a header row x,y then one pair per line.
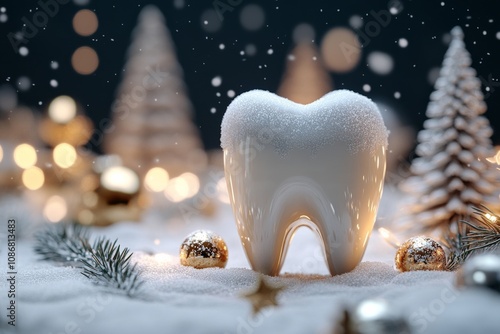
x,y
376,316
481,271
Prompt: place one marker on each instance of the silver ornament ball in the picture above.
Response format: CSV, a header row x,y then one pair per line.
x,y
480,271
376,316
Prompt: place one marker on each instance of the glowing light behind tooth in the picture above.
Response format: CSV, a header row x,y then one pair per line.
x,y
182,187
33,178
120,179
64,155
1,153
156,179
25,156
62,109
55,209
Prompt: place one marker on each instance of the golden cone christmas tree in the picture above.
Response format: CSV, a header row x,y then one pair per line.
x,y
305,79
152,115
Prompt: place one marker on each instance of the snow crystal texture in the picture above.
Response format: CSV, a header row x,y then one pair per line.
x,y
177,299
340,117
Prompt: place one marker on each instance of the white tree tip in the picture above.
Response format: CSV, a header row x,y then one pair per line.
x,y
149,11
457,32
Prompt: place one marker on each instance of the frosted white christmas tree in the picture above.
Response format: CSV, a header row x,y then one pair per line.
x,y
452,175
152,124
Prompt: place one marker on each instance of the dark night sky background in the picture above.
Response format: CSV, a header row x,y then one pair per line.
x,y
422,23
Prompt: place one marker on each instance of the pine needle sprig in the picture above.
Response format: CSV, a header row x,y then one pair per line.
x,y
63,243
103,262
458,251
482,234
111,267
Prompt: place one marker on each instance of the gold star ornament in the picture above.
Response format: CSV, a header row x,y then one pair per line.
x,y
263,296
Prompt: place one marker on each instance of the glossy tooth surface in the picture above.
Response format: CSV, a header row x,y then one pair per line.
x,y
321,165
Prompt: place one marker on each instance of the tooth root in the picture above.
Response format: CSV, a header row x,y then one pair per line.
x,y
341,210
325,161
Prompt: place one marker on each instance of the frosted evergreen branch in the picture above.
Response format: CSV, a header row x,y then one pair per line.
x,y
63,243
111,267
103,262
482,234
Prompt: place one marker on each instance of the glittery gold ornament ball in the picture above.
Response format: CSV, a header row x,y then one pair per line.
x,y
420,253
203,249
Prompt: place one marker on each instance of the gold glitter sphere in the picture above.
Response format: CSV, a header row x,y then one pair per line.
x,y
420,253
203,249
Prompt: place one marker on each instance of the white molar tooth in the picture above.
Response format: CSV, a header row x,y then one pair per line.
x,y
320,165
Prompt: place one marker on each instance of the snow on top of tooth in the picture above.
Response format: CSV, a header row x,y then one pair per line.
x,y
339,117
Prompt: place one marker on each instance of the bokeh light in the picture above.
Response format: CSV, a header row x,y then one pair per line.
x,y
303,33
62,109
252,17
182,187
25,156
33,178
23,83
210,21
8,97
356,21
85,60
380,62
223,194
156,179
85,22
55,209
64,155
341,50
120,179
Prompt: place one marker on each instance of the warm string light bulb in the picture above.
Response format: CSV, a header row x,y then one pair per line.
x,y
156,179
33,178
120,179
64,155
25,156
55,209
490,217
182,187
495,159
62,109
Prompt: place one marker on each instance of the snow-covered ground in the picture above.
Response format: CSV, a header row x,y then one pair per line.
x,y
177,299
